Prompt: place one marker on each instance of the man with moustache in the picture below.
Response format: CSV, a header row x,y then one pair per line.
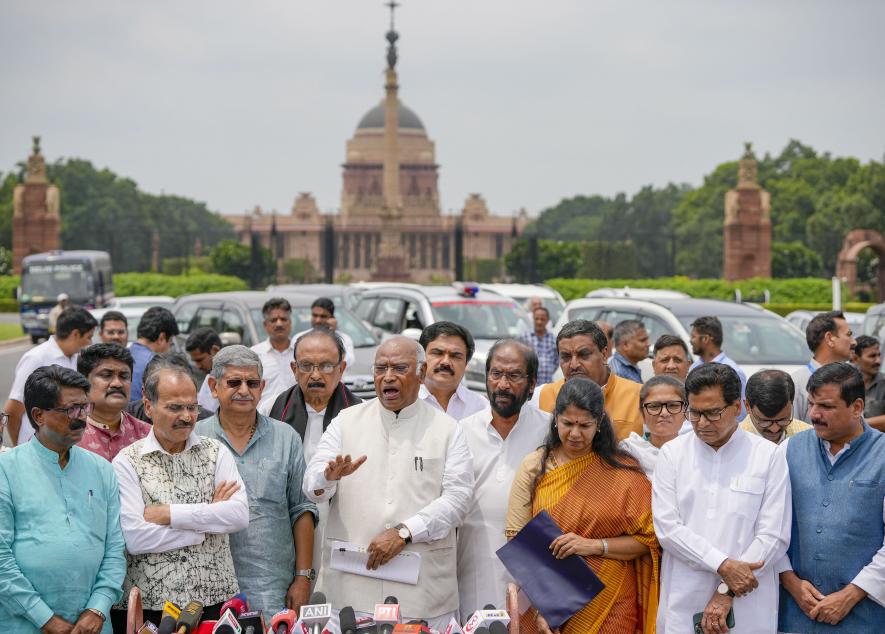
x,y
276,351
866,357
156,332
721,507
830,340
631,347
448,348
180,497
499,439
769,403
110,428
322,315
671,357
544,343
399,476
61,549
834,579
159,362
273,556
583,350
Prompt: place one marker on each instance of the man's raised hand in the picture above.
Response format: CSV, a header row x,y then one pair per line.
x,y
342,466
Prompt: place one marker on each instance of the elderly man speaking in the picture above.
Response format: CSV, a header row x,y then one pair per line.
x,y
399,476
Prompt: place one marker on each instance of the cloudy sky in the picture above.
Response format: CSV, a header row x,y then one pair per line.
x,y
245,103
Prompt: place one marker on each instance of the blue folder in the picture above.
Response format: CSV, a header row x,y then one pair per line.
x,y
558,588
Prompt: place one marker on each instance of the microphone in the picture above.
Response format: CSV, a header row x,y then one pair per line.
x,y
283,622
497,628
482,630
206,627
238,603
316,614
453,627
347,620
227,624
253,620
189,618
169,618
387,615
410,628
484,619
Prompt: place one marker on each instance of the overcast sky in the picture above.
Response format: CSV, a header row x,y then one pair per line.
x,y
244,103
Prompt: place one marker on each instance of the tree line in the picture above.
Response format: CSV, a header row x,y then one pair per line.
x,y
816,199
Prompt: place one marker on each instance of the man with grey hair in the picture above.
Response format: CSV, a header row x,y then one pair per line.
x,y
163,361
399,477
180,497
273,557
631,346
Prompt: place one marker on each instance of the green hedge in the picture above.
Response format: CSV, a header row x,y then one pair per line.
x,y
128,284
849,307
783,291
8,284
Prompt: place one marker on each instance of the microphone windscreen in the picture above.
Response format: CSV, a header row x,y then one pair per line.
x,y
391,600
190,617
489,606
167,625
347,620
317,598
497,628
481,630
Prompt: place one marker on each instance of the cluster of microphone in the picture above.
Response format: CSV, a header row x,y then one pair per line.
x,y
237,618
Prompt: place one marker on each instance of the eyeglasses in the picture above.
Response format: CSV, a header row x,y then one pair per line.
x,y
765,423
513,377
712,415
400,369
654,409
307,366
75,411
252,384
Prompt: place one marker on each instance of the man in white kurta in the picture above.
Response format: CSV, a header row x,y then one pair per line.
x,y
722,513
399,477
499,439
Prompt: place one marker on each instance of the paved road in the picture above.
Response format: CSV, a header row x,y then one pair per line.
x,y
9,318
8,358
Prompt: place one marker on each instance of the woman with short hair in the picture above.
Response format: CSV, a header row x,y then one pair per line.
x,y
662,402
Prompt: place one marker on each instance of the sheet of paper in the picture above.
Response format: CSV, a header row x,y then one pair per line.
x,y
353,558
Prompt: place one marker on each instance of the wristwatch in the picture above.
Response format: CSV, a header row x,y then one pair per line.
x,y
98,613
724,589
404,533
310,573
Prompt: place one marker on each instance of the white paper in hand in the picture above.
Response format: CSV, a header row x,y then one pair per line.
x,y
353,558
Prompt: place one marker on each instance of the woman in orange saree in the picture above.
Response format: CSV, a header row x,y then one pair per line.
x,y
600,498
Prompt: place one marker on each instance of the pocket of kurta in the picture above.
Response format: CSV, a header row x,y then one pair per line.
x,y
745,496
272,481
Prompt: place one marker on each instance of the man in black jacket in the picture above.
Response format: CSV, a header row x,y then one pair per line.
x,y
318,394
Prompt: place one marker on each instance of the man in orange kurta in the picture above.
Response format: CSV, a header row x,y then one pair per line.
x,y
583,350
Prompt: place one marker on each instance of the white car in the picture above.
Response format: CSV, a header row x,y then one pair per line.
x,y
522,293
142,301
754,337
638,293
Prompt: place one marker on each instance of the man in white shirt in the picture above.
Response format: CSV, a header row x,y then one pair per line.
x,y
830,340
722,512
448,348
276,352
499,439
73,332
399,476
202,344
180,496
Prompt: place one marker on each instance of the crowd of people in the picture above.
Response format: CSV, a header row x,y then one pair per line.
x,y
704,500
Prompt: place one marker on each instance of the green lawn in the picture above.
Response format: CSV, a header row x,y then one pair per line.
x,y
10,331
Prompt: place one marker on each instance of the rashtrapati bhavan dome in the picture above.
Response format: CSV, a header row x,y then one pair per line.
x,y
389,225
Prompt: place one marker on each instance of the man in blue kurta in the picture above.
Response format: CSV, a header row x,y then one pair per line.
x,y
61,547
835,578
273,557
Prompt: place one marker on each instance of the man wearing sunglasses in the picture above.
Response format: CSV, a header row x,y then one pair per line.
x,y
273,557
61,548
769,403
722,511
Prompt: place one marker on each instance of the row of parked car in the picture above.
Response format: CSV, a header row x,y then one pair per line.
x,y
370,312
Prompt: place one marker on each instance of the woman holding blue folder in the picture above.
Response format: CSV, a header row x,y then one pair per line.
x,y
601,499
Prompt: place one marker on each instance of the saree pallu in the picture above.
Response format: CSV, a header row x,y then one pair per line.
x,y
595,501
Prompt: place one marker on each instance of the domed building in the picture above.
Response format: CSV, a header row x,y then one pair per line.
x,y
389,226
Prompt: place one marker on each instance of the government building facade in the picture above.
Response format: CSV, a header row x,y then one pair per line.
x,y
390,185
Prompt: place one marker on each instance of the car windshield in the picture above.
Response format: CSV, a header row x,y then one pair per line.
x,y
362,337
550,303
484,320
759,339
47,281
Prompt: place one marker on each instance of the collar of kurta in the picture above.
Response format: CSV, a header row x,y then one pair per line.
x,y
151,444
737,439
45,454
409,411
